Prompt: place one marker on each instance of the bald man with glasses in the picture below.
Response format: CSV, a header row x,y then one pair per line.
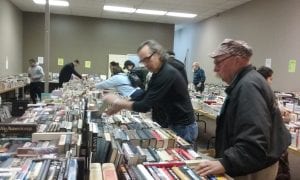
x,y
167,90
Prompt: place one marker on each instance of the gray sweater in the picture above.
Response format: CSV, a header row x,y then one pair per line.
x,y
36,73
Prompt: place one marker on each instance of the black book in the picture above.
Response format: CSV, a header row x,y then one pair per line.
x,y
144,138
102,150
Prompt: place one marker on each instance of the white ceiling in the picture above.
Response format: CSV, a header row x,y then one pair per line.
x,y
94,8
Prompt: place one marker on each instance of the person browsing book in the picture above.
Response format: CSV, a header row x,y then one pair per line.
x,y
141,72
283,166
66,72
120,81
158,114
167,88
198,77
36,74
250,134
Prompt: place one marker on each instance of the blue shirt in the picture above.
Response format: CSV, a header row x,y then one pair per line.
x,y
120,82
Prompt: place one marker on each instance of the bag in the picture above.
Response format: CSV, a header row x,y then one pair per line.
x,y
135,80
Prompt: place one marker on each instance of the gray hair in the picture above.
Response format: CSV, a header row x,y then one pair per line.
x,y
155,47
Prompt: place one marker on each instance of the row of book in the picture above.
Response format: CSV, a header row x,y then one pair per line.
x,y
41,169
27,148
154,137
109,149
12,81
61,126
149,171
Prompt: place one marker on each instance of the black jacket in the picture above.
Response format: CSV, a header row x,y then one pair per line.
x,y
167,90
179,66
66,73
250,133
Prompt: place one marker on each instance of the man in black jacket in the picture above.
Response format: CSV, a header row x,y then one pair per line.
x,y
250,134
67,71
177,64
166,88
158,115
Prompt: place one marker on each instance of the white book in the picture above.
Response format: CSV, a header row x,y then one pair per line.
x,y
193,153
144,172
95,171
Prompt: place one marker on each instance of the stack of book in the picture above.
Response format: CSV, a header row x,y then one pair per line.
x,y
42,169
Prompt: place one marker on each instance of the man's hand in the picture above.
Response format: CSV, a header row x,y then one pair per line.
x,y
116,103
115,108
110,98
209,168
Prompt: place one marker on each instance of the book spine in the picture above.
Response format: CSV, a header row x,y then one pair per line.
x,y
109,171
154,154
159,140
25,169
137,173
158,172
172,173
179,173
122,171
193,153
186,154
190,172
144,172
131,172
95,171
169,176
152,172
179,156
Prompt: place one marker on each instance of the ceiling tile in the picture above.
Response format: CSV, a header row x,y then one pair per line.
x,y
94,8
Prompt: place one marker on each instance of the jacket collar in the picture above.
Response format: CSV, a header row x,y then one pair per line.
x,y
238,77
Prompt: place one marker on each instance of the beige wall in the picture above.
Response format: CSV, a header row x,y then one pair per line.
x,y
10,39
89,39
271,27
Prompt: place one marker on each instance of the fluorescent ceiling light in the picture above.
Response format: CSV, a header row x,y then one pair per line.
x,y
52,2
151,12
185,15
119,9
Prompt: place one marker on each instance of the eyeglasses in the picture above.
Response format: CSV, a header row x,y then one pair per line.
x,y
219,62
146,59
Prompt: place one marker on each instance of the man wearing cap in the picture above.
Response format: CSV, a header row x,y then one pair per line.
x,y
166,88
67,71
250,134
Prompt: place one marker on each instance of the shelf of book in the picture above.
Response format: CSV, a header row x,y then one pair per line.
x,y
11,89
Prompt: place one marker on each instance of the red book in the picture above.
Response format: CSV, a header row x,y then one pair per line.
x,y
159,140
156,135
164,164
186,154
175,158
